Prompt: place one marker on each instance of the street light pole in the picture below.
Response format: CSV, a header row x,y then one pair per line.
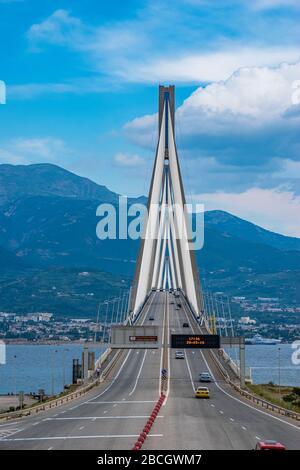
x,y
52,371
279,372
15,376
64,371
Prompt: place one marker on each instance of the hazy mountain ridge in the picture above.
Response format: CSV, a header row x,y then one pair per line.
x,y
50,220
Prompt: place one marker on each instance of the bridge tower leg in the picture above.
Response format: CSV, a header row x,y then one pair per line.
x,y
166,243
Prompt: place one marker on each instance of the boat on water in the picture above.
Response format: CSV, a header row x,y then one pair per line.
x,y
258,339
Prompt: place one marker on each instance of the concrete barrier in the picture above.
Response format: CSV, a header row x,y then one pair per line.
x,y
143,435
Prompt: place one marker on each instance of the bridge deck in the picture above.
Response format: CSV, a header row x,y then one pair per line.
x,y
113,415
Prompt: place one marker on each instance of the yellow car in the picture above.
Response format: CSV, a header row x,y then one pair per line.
x,y
202,392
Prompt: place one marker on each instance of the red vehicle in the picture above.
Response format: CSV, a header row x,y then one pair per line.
x,y
269,445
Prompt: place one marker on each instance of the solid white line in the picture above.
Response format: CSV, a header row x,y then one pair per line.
x,y
112,382
258,438
120,402
237,399
189,369
161,355
139,373
168,353
246,404
102,417
53,438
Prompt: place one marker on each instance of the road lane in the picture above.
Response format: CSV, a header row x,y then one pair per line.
x,y
115,415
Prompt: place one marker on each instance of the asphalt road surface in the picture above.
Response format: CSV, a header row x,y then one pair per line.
x,y
112,415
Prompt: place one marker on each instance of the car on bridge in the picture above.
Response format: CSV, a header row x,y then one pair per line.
x,y
185,325
204,377
151,318
202,392
269,445
179,355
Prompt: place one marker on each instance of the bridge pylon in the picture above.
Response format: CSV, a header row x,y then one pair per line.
x,y
165,258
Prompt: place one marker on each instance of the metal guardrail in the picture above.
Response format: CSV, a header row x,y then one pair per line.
x,y
255,399
267,405
65,399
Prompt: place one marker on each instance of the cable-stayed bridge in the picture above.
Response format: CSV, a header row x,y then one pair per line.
x,y
165,297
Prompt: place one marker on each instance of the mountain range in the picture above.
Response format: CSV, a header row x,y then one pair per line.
x,y
48,222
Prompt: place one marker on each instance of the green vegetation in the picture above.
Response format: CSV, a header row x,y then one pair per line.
x,y
286,397
65,292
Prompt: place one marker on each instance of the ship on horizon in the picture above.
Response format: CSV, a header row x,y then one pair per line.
x,y
258,339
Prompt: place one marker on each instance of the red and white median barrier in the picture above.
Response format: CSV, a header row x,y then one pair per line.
x,y
143,436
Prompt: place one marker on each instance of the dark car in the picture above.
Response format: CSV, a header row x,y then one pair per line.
x,y
151,318
185,325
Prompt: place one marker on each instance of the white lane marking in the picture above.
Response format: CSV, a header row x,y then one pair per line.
x,y
8,424
35,424
62,412
237,399
189,369
138,352
161,356
231,419
93,418
139,373
212,405
168,353
81,428
50,448
243,427
105,412
8,432
258,438
120,402
222,412
115,405
53,438
112,382
246,404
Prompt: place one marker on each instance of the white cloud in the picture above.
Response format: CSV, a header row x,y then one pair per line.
x,y
59,28
128,161
130,51
246,120
205,66
34,150
273,209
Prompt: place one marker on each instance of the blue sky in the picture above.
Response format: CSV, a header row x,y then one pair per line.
x,y
82,83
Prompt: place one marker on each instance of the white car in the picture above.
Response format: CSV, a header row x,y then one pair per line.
x,y
204,377
179,355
